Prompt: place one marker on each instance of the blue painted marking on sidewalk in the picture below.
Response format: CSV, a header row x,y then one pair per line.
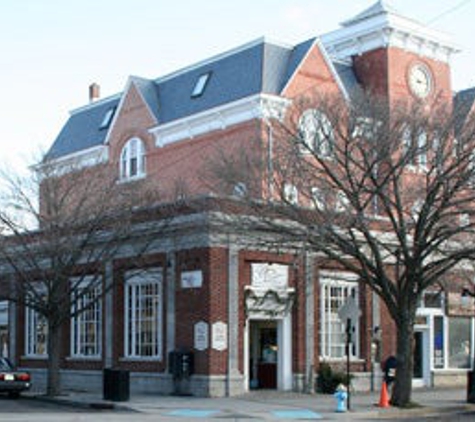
x,y
193,413
296,414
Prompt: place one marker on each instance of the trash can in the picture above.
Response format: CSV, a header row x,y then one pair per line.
x,y
471,387
116,385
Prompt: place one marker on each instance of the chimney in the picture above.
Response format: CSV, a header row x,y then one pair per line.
x,y
94,92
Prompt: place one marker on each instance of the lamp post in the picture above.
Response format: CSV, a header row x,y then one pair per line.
x,y
468,294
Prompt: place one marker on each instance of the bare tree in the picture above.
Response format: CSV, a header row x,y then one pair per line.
x,y
383,190
59,230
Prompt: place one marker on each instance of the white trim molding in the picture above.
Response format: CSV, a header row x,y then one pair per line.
x,y
388,30
219,118
76,161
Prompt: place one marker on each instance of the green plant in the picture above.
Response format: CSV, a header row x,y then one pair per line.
x,y
328,379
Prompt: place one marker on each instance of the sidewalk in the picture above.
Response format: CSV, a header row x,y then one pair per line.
x,y
273,405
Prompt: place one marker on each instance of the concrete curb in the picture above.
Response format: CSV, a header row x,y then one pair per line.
x,y
80,404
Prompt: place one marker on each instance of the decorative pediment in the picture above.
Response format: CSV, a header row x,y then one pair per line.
x,y
268,303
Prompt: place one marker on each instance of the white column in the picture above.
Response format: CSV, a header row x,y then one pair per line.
x,y
284,358
233,318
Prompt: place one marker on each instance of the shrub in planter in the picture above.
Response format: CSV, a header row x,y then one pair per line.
x,y
328,379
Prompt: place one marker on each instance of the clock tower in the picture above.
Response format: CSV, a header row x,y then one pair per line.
x,y
393,55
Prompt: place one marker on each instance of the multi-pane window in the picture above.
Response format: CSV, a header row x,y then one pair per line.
x,y
36,333
342,203
336,289
316,132
291,194
132,159
318,199
143,317
415,148
460,342
86,330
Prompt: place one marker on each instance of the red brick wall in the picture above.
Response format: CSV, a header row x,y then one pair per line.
x,y
384,71
208,303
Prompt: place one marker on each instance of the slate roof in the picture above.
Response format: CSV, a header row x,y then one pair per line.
x,y
463,104
258,67
347,77
82,130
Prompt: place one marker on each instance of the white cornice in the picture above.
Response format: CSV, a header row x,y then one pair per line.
x,y
389,30
218,118
82,159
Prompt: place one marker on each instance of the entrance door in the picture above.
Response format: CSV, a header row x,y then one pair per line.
x,y
264,353
418,370
421,356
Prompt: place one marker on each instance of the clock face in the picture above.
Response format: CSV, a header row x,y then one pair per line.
x,y
420,80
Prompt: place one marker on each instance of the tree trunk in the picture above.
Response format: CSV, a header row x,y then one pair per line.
x,y
53,386
401,395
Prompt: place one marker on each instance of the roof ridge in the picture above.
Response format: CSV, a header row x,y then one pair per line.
x,y
220,56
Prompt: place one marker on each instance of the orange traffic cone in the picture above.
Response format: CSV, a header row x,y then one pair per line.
x,y
384,398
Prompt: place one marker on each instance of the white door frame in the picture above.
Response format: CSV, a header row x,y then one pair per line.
x,y
426,353
284,352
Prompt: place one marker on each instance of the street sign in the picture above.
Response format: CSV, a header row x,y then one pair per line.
x,y
349,310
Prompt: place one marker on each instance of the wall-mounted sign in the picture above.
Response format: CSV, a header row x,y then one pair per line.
x,y
191,279
270,276
201,335
219,336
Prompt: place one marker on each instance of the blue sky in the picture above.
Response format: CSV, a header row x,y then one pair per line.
x,y
51,50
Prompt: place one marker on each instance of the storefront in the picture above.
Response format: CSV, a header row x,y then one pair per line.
x,y
443,346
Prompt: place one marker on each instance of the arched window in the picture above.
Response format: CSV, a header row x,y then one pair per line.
x,y
317,133
132,159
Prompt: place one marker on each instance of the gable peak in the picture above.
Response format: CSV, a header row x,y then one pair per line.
x,y
381,7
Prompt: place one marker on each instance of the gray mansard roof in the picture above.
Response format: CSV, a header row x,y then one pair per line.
x,y
258,67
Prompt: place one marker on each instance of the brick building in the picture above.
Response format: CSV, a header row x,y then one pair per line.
x,y
249,317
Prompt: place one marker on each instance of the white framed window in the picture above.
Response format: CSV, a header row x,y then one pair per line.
x,y
86,332
335,289
240,190
132,159
143,314
291,194
415,146
317,134
459,343
318,199
36,333
416,209
464,219
342,203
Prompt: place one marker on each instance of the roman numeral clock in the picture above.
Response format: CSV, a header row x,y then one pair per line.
x,y
420,80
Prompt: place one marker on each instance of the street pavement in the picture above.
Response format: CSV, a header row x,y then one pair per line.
x,y
440,404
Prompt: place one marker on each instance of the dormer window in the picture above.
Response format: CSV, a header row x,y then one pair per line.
x,y
132,160
106,121
200,85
